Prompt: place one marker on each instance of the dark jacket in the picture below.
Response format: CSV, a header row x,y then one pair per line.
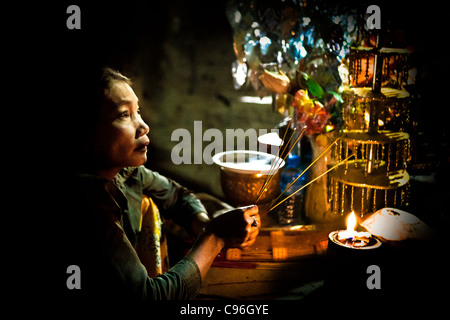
x,y
101,224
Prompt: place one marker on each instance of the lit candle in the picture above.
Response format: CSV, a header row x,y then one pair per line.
x,y
350,236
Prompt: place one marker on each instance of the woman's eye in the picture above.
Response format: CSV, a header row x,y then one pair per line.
x,y
124,114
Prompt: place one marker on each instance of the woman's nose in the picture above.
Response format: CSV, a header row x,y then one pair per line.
x,y
143,128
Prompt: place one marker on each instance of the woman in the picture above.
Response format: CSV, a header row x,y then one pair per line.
x,y
102,223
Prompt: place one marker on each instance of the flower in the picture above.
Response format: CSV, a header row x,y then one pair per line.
x,y
310,113
318,109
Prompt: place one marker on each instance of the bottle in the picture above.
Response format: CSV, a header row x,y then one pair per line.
x,y
290,211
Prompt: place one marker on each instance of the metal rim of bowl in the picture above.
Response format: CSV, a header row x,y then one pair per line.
x,y
227,165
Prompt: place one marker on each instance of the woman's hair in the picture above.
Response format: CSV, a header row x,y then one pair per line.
x,y
109,75
103,81
84,96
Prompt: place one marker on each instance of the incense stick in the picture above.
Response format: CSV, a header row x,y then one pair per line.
x,y
304,186
285,156
279,152
266,181
310,165
271,167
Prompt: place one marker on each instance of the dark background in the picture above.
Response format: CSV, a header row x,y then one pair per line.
x,y
179,55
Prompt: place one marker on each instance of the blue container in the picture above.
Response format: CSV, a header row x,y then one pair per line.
x,y
291,209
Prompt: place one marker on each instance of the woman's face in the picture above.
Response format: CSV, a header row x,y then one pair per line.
x,y
121,136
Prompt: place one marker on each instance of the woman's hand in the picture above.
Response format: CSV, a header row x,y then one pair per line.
x,y
238,228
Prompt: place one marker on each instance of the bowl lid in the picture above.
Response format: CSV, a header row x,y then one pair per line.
x,y
248,161
271,138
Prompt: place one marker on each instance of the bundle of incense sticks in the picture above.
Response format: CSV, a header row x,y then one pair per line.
x,y
277,164
278,161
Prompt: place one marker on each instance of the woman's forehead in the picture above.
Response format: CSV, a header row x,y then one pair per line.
x,y
120,93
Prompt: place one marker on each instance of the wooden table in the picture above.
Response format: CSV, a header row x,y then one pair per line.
x,y
281,260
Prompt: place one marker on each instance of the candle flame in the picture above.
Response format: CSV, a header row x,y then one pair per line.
x,y
351,221
351,225
360,238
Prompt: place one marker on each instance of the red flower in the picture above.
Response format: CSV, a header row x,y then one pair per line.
x,y
311,114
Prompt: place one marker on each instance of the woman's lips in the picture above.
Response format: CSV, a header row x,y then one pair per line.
x,y
142,147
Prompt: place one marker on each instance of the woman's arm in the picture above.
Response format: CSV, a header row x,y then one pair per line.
x,y
234,228
205,250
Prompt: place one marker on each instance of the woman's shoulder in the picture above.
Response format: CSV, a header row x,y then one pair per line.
x,y
141,173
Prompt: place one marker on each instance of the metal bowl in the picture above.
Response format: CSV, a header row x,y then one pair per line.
x,y
243,173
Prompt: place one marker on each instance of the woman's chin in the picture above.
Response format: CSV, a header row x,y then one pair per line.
x,y
138,160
